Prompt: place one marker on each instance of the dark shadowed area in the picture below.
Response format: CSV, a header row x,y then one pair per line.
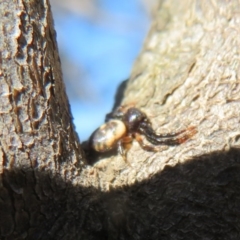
x,y
179,199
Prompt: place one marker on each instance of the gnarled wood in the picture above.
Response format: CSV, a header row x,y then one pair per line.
x,y
186,75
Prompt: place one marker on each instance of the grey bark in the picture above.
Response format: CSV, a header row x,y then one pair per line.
x,y
187,74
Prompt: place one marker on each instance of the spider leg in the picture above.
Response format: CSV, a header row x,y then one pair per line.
x,y
147,147
190,131
124,145
119,111
170,139
146,129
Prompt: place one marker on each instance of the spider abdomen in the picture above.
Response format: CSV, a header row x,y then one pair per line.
x,y
107,136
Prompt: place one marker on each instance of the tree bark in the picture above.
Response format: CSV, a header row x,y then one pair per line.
x,y
187,74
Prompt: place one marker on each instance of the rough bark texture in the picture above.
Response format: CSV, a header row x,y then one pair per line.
x,y
187,74
39,150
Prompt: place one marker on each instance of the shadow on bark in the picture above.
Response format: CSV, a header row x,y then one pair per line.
x,y
199,199
119,94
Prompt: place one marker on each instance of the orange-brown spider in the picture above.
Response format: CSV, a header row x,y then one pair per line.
x,y
128,123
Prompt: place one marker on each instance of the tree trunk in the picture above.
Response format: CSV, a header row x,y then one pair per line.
x,y
187,74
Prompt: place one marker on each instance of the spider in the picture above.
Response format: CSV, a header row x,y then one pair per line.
x,y
128,123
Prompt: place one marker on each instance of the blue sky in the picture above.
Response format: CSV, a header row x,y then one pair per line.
x,y
97,55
